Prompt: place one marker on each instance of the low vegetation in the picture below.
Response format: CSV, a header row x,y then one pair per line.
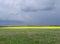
x,y
30,36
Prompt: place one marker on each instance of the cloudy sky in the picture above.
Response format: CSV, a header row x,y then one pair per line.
x,y
29,12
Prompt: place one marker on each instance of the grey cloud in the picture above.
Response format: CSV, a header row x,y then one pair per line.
x,y
33,5
12,22
40,12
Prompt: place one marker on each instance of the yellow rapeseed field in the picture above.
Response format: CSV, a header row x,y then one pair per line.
x,y
30,28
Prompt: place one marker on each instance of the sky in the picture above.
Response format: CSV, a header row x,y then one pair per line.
x,y
29,12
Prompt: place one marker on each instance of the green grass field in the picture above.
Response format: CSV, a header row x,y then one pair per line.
x,y
29,35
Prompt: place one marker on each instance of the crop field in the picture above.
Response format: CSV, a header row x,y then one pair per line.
x,y
29,35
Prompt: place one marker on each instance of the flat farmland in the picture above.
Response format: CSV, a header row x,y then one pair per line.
x,y
29,35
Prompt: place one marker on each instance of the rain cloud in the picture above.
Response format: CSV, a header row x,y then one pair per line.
x,y
33,12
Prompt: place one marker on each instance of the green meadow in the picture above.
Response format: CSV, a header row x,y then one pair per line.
x,y
29,35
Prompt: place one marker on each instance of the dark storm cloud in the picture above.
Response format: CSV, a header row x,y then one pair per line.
x,y
31,12
34,6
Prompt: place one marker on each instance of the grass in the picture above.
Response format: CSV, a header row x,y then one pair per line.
x,y
29,36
